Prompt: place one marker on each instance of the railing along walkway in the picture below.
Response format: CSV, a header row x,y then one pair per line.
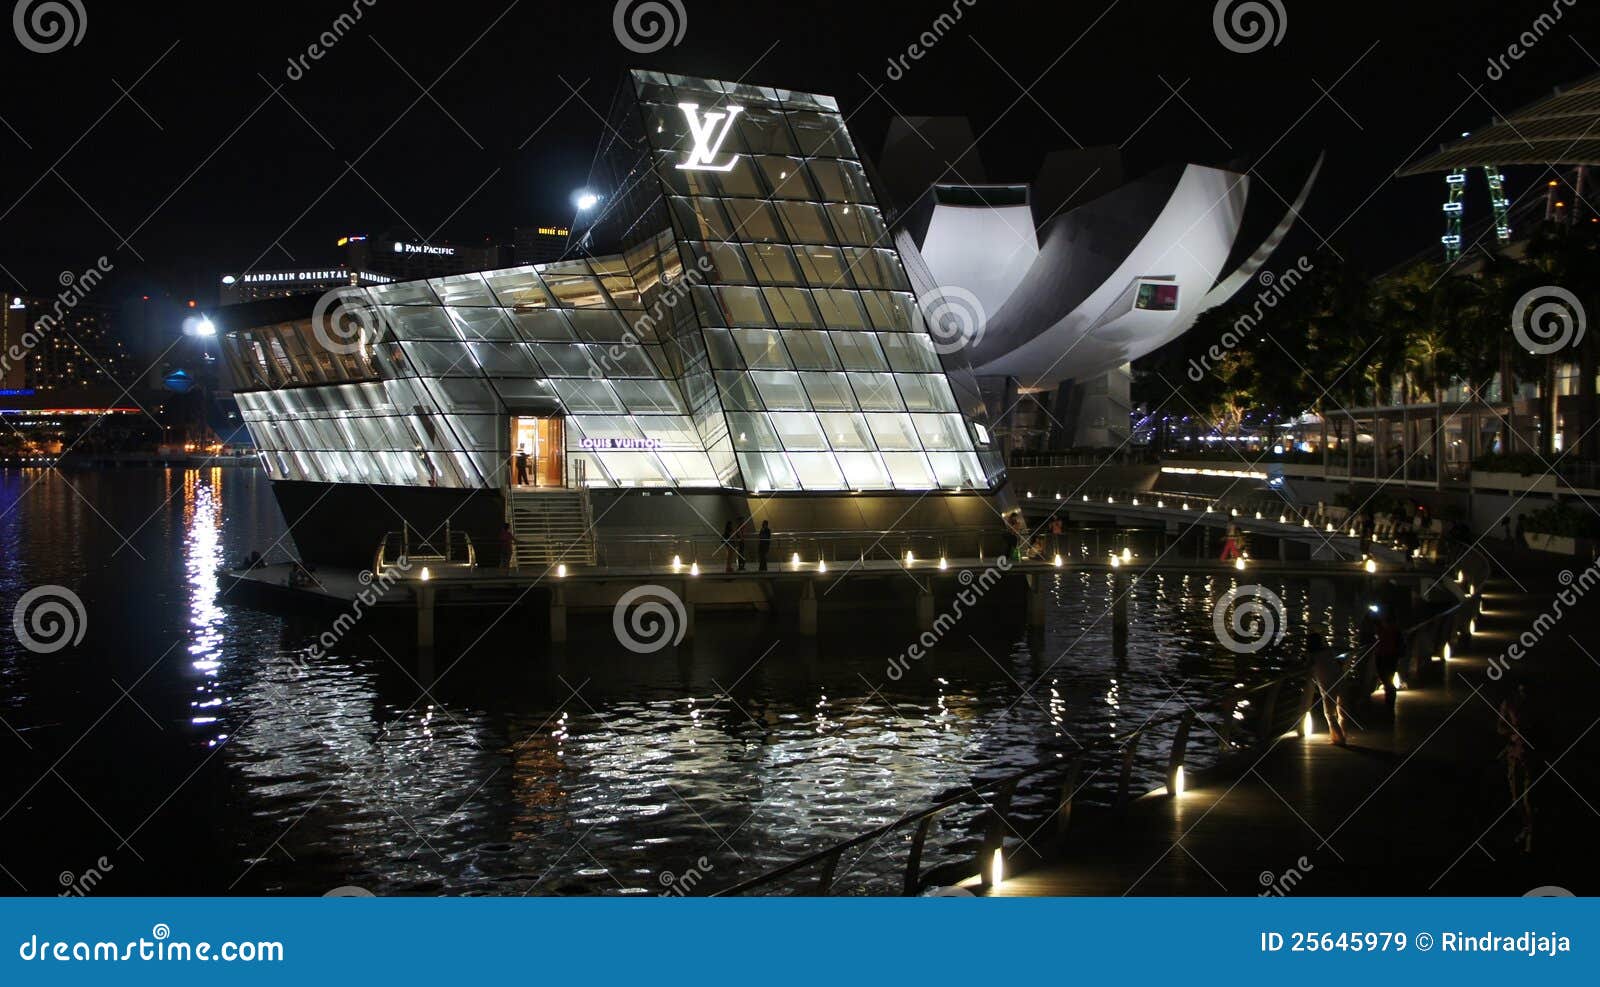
x,y
1247,726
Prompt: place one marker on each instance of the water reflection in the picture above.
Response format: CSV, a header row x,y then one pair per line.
x,y
203,558
598,770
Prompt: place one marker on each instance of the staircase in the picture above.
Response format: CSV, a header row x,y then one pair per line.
x,y
550,526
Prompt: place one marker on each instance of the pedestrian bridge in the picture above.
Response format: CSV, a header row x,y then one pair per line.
x,y
1327,532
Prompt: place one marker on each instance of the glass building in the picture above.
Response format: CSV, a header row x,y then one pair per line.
x,y
735,318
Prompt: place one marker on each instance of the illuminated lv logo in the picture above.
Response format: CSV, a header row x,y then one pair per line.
x,y
708,137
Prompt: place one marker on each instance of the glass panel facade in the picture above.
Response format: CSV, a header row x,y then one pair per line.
x,y
757,331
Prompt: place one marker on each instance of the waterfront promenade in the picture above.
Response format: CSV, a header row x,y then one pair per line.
x,y
1416,805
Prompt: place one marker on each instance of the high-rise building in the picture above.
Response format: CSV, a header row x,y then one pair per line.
x,y
46,345
539,244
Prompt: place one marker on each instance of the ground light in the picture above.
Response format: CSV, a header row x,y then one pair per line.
x,y
694,568
1058,560
1308,726
910,559
561,571
1239,564
677,563
997,869
1371,566
794,560
942,563
1116,560
822,566
1178,782
425,576
1127,554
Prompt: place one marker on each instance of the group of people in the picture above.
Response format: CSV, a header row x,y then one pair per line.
x,y
736,544
1020,544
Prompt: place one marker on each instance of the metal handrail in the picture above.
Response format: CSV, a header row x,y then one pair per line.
x,y
1230,709
1004,789
833,546
457,550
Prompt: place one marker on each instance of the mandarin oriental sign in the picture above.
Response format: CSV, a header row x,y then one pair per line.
x,y
708,137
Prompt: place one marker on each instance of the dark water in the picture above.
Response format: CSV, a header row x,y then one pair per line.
x,y
191,746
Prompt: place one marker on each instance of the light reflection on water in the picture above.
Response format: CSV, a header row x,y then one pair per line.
x,y
600,771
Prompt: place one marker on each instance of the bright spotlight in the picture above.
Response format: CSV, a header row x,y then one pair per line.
x,y
586,200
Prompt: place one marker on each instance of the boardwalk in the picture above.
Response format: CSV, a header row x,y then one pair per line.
x,y
1417,805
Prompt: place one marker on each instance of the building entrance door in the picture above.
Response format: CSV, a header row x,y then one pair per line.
x,y
538,450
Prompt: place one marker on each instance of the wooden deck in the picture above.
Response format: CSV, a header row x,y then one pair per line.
x,y
1416,805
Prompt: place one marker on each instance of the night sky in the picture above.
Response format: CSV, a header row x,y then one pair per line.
x,y
202,169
